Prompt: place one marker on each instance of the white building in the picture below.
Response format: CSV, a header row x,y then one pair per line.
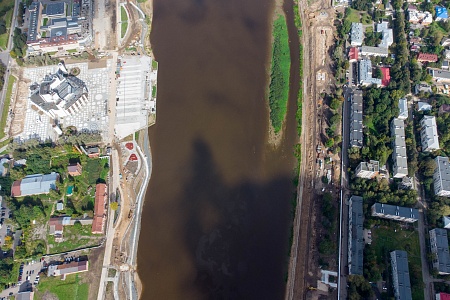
x,y
403,107
357,34
420,17
428,134
400,167
441,177
387,37
60,94
367,169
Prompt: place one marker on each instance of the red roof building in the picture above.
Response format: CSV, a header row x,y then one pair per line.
x,y
427,57
15,188
386,76
442,296
353,54
98,224
133,157
129,146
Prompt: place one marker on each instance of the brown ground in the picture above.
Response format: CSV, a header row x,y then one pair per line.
x,y
19,107
317,38
95,269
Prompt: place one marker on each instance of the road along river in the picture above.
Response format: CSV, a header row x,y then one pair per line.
x,y
217,215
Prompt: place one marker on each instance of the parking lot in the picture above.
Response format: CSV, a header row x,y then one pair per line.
x,y
28,273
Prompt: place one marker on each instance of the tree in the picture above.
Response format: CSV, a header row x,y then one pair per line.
x,y
114,205
329,143
427,167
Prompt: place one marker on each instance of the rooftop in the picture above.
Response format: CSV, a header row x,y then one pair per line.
x,y
400,258
356,230
394,210
443,172
357,34
427,57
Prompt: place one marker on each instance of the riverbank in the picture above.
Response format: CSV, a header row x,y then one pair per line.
x,y
280,65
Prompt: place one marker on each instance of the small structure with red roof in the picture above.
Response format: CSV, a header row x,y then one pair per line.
x,y
442,296
129,146
133,157
386,76
427,57
353,54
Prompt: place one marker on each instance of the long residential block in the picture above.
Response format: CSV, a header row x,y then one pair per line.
x,y
393,212
441,177
428,134
356,119
400,275
355,236
400,168
439,249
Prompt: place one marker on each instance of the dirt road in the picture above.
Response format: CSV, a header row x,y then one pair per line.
x,y
317,19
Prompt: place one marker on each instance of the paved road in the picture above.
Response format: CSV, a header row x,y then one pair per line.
x,y
109,237
427,279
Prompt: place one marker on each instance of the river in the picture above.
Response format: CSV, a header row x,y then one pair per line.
x,y
217,214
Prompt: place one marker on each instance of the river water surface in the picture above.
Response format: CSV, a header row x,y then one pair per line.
x,y
217,214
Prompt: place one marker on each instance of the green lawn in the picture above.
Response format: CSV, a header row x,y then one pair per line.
x,y
44,21
5,111
279,75
124,21
369,29
72,50
354,16
153,91
3,40
8,18
385,240
68,289
366,19
154,65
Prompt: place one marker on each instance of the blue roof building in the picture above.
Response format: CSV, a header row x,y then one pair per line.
x,y
441,13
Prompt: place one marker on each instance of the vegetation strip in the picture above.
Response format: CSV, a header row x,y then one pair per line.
x,y
6,104
279,75
124,21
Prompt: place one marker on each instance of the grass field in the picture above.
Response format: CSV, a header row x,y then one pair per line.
x,y
279,75
73,239
3,40
5,111
354,16
385,240
69,289
124,21
8,18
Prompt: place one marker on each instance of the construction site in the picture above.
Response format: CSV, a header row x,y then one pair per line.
x,y
320,168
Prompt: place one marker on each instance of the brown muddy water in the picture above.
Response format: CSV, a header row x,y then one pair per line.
x,y
217,215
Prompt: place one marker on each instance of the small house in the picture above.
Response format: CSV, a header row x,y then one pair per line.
x,y
74,169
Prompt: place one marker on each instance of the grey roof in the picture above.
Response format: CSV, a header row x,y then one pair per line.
x,y
365,73
399,145
70,89
439,74
422,106
400,271
54,8
38,184
25,296
369,50
393,210
443,255
356,235
356,123
442,172
357,34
